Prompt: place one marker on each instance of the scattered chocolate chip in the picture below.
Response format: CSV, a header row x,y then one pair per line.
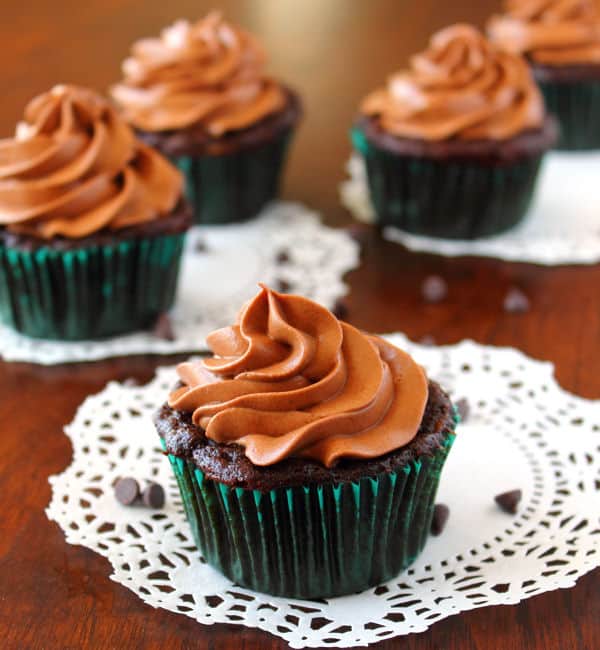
x,y
127,491
200,246
515,301
508,501
283,257
282,286
427,340
434,288
163,328
153,496
441,512
463,408
358,232
130,382
340,310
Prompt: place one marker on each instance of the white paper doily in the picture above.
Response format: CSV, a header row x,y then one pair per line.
x,y
214,283
562,226
524,432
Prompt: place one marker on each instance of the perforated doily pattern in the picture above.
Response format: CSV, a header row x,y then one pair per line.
x,y
286,246
524,432
562,226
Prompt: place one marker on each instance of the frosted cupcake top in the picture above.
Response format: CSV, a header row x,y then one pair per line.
x,y
550,32
75,168
290,380
208,74
460,87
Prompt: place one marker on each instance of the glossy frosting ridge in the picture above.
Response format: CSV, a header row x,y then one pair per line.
x,y
550,32
460,87
289,379
75,168
208,74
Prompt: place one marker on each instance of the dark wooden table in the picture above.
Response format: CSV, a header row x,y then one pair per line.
x,y
57,596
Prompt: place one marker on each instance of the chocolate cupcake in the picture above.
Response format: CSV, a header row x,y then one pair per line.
x,y
307,453
200,95
92,222
561,41
453,145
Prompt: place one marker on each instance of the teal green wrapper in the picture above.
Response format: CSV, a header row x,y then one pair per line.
x,y
91,292
234,187
313,541
576,104
453,199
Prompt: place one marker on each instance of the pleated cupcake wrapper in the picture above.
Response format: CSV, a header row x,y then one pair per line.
x,y
88,293
234,187
577,106
313,541
450,199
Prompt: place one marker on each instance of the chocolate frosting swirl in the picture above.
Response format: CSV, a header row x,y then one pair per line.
x,y
460,87
550,32
75,168
289,379
207,74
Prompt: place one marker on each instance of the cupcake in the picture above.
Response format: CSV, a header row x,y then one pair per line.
x,y
453,145
199,94
92,222
307,452
561,41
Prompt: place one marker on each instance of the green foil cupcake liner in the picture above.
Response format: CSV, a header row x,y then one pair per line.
x,y
234,187
576,104
91,292
313,541
453,199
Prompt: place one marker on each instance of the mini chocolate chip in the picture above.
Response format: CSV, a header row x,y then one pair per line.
x,y
441,512
282,286
515,301
127,491
463,408
283,257
200,246
163,328
427,340
358,232
434,288
153,496
340,310
509,501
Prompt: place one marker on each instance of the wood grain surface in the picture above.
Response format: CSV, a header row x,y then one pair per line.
x,y
57,596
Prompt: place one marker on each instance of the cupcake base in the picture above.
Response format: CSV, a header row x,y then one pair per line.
x,y
103,285
572,94
453,189
300,530
233,177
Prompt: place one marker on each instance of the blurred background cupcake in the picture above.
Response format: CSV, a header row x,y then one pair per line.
x,y
199,94
453,144
308,453
92,222
561,41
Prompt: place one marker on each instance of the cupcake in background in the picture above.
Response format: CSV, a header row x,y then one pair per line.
x,y
92,222
308,454
561,41
199,94
453,144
